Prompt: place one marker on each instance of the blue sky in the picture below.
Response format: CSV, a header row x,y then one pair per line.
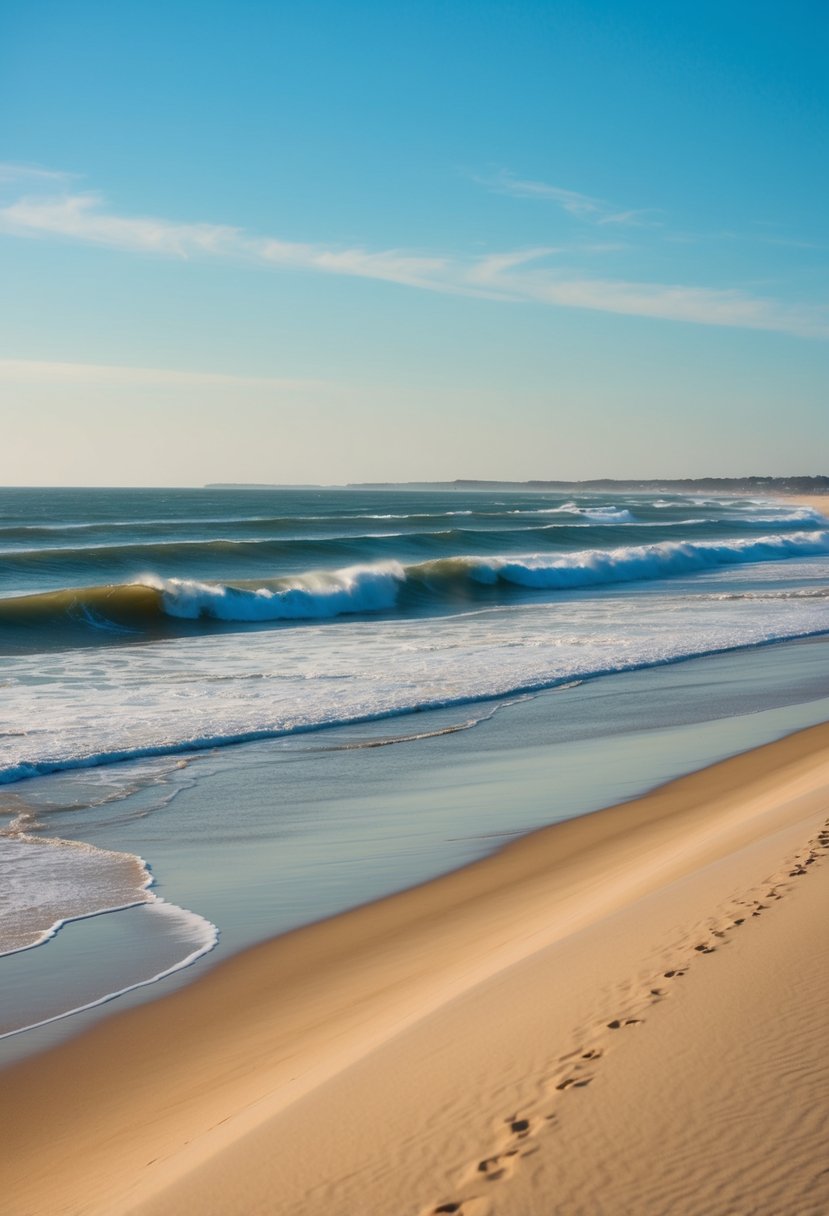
x,y
346,241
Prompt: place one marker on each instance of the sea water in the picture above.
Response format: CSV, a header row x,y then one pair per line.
x,y
142,633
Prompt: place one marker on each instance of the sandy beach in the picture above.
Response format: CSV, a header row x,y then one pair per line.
x,y
414,610
621,1013
819,502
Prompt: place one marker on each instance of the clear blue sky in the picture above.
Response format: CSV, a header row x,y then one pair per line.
x,y
346,241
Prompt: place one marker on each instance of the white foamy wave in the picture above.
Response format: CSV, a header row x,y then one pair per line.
x,y
313,596
610,515
419,515
49,882
592,567
805,515
203,937
790,593
596,515
168,696
324,594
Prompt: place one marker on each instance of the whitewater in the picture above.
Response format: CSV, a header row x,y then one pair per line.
x,y
147,626
239,644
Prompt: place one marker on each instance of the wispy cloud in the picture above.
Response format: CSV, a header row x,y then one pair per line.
x,y
82,216
582,206
391,264
31,173
519,275
675,302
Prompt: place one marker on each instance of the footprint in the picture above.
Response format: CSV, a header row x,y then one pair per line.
x,y
498,1166
466,1207
574,1083
520,1127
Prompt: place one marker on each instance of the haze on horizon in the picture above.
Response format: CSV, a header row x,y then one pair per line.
x,y
381,242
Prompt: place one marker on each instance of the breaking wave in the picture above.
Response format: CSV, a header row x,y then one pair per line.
x,y
388,586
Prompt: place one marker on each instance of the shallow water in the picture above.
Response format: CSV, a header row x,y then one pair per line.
x,y
270,835
403,735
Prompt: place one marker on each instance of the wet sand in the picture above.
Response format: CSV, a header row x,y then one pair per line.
x,y
623,1012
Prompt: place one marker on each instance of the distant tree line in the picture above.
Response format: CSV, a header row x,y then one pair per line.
x,y
817,484
793,485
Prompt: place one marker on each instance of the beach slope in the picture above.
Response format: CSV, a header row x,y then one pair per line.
x,y
622,1013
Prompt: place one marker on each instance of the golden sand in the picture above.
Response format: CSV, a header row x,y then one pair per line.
x,y
625,1013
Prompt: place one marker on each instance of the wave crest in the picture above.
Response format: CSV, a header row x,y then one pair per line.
x,y
313,596
123,609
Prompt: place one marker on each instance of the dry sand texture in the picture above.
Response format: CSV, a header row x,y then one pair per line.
x,y
622,1014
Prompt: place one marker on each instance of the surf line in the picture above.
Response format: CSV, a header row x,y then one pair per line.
x,y
154,901
146,898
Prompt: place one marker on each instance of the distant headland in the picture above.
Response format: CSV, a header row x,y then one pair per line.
x,y
685,485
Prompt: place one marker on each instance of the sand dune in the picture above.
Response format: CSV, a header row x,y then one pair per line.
x,y
624,1013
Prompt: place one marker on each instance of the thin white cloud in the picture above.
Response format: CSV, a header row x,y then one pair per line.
x,y
676,302
40,371
31,173
582,206
492,270
526,275
82,216
391,265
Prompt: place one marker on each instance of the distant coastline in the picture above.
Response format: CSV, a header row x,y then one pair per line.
x,y
723,485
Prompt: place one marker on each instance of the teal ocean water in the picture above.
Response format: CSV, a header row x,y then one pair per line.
x,y
158,646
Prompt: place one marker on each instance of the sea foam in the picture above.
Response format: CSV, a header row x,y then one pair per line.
x,y
376,587
50,883
311,596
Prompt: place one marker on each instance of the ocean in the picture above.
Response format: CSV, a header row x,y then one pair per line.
x,y
227,712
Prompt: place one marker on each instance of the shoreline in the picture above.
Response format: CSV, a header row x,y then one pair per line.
x,y
264,1054
157,1094
572,761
